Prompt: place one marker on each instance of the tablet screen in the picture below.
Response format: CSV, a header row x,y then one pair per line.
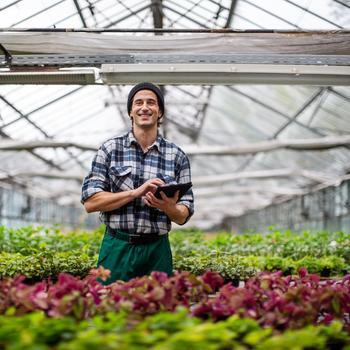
x,y
170,190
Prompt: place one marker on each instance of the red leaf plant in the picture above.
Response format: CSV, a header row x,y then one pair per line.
x,y
282,302
149,294
83,298
68,296
270,298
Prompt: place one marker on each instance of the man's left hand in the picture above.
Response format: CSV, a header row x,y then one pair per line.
x,y
175,212
165,204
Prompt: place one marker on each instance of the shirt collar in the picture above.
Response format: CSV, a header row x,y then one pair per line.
x,y
130,139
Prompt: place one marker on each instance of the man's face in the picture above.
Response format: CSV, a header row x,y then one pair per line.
x,y
145,110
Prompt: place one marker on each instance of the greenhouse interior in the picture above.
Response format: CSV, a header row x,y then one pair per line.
x,y
256,107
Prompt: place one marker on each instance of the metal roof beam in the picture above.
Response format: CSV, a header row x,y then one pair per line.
x,y
313,13
132,13
201,114
292,119
118,105
122,3
239,16
204,29
157,12
231,13
83,21
314,144
346,98
185,16
40,130
218,191
9,5
284,115
26,115
183,127
188,11
203,111
43,61
271,14
73,14
224,74
318,104
299,112
189,130
38,13
47,161
189,93
342,3
207,180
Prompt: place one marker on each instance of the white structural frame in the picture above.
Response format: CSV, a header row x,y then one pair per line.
x,y
225,74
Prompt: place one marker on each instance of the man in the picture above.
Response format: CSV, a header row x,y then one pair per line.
x,y
124,176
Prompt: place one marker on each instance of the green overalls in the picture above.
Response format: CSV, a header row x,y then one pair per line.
x,y
127,259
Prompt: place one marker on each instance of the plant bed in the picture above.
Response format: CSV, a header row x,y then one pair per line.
x,y
270,298
170,331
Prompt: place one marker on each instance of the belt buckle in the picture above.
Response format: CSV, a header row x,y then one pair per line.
x,y
133,238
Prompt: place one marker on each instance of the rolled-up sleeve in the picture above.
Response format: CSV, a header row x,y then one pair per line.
x,y
183,175
97,179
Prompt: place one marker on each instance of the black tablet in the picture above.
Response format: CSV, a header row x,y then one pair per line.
x,y
170,190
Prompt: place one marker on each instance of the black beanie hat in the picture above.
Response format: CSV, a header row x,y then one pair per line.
x,y
146,86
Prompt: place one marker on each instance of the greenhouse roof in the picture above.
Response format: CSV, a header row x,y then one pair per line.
x,y
257,93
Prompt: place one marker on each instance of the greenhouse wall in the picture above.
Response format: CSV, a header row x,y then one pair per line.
x,y
326,209
20,209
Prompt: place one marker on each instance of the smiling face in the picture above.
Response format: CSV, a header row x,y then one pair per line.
x,y
145,110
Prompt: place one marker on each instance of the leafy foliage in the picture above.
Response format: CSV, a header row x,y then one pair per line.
x,y
171,331
287,244
282,302
270,298
238,257
231,268
33,240
60,304
43,253
83,298
236,268
45,264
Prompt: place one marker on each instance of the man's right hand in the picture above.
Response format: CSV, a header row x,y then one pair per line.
x,y
107,201
149,186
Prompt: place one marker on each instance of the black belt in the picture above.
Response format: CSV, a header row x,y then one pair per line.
x,y
135,238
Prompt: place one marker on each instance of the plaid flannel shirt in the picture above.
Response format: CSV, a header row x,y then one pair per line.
x,y
120,165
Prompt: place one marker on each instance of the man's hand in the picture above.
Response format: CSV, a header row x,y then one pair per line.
x,y
176,212
165,204
150,186
107,201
